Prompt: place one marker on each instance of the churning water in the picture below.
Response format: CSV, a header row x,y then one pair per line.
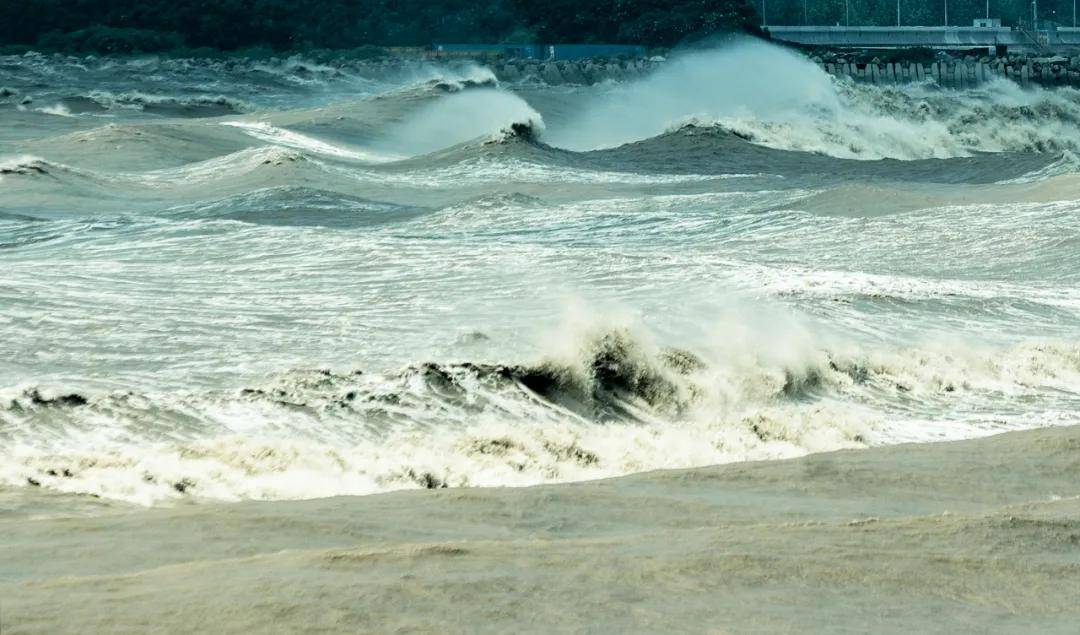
x,y
241,279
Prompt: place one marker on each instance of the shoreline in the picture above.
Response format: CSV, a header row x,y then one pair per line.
x,y
980,534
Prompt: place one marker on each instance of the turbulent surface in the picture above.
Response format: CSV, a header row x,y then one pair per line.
x,y
280,280
931,538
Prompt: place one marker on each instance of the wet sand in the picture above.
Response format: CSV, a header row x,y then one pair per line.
x,y
972,536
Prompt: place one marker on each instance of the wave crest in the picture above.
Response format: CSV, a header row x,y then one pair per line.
x,y
611,404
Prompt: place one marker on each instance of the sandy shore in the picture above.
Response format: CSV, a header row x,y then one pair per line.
x,y
979,535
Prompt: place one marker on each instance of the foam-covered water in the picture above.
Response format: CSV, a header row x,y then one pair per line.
x,y
239,279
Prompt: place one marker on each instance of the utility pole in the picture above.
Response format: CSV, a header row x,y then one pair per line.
x,y
806,22
1034,15
946,12
764,22
898,12
847,14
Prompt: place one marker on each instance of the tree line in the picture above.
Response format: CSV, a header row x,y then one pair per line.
x,y
295,25
129,26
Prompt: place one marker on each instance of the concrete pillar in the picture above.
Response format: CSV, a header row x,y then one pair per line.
x,y
935,72
1025,73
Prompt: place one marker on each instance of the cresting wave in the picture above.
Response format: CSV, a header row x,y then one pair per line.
x,y
781,100
612,404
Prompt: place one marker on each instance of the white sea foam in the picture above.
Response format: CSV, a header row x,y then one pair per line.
x,y
283,137
601,404
472,115
782,100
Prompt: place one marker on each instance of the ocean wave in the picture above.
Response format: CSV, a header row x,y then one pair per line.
x,y
781,100
24,165
479,115
288,138
1067,163
611,404
188,106
296,206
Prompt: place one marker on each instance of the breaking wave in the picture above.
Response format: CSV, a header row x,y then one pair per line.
x,y
610,404
190,106
781,100
24,165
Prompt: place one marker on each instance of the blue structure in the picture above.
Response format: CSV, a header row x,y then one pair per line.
x,y
583,51
541,51
522,51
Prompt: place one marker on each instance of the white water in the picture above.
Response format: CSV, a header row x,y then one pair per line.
x,y
174,288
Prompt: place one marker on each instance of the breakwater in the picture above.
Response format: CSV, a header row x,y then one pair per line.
x,y
959,72
950,72
587,71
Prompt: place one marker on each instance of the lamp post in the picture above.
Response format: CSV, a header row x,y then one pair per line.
x,y
946,12
897,12
1034,15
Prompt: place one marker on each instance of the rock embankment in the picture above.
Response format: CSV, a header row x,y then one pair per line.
x,y
588,71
